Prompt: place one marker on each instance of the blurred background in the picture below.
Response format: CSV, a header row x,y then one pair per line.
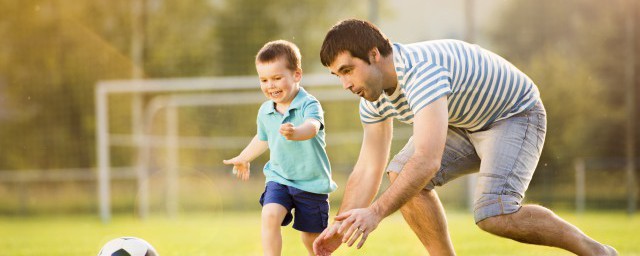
x,y
76,103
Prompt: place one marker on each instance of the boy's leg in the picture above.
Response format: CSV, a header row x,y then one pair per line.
x,y
276,211
510,150
272,216
307,240
311,215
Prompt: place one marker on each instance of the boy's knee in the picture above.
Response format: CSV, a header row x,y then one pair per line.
x,y
273,212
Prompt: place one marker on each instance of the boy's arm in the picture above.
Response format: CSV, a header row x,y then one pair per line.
x,y
241,163
305,131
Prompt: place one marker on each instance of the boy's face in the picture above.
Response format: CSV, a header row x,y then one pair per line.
x,y
357,76
277,82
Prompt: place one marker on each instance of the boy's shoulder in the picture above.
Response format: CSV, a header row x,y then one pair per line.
x,y
308,98
266,107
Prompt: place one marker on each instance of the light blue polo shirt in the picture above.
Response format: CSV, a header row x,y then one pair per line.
x,y
301,164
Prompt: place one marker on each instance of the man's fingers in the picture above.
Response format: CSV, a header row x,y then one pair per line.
x,y
227,161
346,223
354,238
331,231
363,239
343,216
351,231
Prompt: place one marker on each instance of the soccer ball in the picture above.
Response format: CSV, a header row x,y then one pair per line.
x,y
127,246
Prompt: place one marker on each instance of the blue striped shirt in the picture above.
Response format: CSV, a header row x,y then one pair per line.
x,y
481,87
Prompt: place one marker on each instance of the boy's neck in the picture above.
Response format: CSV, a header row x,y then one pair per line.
x,y
283,107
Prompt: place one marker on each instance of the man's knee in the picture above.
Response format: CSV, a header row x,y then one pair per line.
x,y
490,224
506,223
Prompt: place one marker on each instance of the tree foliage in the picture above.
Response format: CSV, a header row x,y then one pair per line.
x,y
53,52
575,52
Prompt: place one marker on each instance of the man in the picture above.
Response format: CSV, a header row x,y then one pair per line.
x,y
468,107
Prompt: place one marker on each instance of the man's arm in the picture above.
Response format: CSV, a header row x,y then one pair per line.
x,y
429,135
364,181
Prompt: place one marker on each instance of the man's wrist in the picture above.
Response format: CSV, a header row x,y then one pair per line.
x,y
377,210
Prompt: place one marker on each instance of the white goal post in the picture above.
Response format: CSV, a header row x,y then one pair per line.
x,y
176,93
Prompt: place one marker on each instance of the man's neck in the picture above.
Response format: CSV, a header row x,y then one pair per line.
x,y
389,75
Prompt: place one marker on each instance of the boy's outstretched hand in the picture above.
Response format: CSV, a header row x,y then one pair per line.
x,y
287,130
240,167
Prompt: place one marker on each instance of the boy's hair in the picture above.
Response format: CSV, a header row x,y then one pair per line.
x,y
357,37
286,50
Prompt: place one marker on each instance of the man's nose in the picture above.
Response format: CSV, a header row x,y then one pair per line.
x,y
346,84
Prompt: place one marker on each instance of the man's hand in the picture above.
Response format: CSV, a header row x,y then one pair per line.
x,y
328,241
357,223
288,130
240,167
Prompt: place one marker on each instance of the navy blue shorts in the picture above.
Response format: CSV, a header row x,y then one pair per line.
x,y
311,210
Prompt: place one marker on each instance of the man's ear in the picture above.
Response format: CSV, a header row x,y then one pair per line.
x,y
374,55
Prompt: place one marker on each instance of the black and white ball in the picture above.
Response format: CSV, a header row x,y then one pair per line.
x,y
127,246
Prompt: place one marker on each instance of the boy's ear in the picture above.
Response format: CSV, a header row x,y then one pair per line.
x,y
297,75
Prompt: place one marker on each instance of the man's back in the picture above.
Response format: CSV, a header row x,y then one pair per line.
x,y
481,86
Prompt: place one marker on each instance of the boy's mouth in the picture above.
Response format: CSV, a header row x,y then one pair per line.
x,y
275,94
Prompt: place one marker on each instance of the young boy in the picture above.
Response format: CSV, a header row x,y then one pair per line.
x,y
291,125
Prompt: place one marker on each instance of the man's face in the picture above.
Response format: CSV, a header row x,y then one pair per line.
x,y
357,76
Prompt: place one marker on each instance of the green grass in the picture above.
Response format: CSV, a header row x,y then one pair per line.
x,y
229,233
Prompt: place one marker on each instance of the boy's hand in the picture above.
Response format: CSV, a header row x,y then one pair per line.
x,y
288,130
240,167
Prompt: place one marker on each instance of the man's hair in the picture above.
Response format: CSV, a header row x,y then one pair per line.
x,y
357,37
286,50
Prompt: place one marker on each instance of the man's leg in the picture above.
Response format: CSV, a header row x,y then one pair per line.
x,y
535,224
425,215
509,151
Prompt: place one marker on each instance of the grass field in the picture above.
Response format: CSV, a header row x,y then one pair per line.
x,y
228,233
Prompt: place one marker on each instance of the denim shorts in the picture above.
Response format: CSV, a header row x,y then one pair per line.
x,y
311,210
507,153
